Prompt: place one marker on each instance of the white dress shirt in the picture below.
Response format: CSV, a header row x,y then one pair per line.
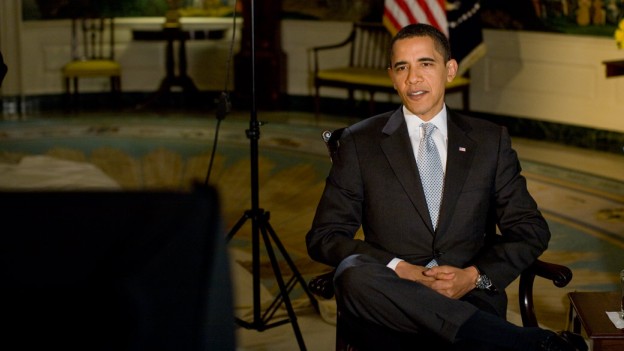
x,y
440,135
440,138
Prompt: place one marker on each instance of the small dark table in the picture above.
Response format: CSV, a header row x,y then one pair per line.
x,y
172,35
588,310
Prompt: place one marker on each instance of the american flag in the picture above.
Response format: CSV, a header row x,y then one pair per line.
x,y
458,19
399,13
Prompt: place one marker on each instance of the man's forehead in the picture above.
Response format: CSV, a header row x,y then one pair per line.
x,y
423,45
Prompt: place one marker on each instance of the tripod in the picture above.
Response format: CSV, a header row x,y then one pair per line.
x,y
260,226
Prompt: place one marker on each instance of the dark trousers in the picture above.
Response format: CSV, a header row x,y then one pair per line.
x,y
378,310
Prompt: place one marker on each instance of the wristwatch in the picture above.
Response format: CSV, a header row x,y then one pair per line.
x,y
484,283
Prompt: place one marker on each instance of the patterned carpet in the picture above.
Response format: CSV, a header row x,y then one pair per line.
x,y
585,212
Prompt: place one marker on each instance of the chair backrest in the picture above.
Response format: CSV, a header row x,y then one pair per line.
x,y
332,141
370,45
93,38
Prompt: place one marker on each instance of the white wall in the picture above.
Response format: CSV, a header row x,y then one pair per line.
x,y
550,77
46,48
10,45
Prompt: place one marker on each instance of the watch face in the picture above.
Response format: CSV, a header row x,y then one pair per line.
x,y
483,282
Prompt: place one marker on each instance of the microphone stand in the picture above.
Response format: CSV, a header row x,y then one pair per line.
x,y
260,226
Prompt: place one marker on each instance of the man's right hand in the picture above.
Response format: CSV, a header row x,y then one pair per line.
x,y
414,273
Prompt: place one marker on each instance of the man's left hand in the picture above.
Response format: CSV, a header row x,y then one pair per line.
x,y
451,281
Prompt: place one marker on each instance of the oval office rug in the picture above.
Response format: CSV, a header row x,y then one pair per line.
x,y
585,212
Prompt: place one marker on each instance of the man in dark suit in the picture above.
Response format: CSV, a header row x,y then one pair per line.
x,y
426,265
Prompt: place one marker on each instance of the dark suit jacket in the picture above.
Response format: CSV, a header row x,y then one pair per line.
x,y
374,183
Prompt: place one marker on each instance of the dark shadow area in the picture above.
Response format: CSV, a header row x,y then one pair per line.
x,y
114,271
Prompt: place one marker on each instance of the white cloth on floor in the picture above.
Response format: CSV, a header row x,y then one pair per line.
x,y
49,173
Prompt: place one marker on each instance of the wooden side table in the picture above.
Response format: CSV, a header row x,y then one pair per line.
x,y
171,35
588,311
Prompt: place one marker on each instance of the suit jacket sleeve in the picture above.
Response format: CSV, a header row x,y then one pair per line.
x,y
524,231
339,213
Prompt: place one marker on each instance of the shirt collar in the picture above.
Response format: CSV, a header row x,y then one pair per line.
x,y
414,122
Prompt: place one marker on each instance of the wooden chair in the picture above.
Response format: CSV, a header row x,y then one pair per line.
x,y
92,55
322,286
368,45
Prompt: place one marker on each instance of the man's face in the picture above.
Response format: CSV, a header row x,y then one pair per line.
x,y
419,75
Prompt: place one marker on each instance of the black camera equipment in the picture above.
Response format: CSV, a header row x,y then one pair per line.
x,y
260,227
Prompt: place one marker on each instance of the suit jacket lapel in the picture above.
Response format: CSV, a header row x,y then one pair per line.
x,y
397,147
460,155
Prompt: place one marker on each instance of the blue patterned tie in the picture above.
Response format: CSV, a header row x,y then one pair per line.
x,y
431,173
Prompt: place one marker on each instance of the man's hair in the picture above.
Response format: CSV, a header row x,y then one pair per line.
x,y
440,40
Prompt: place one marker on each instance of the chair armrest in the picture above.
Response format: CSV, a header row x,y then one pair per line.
x,y
317,49
323,285
558,274
335,46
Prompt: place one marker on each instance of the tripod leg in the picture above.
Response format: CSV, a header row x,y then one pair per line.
x,y
291,264
280,283
238,225
256,323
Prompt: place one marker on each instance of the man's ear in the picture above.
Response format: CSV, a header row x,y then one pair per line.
x,y
390,74
451,69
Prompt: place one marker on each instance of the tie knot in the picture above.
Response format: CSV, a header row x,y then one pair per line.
x,y
428,128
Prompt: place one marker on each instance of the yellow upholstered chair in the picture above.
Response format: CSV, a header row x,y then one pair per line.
x,y
367,45
93,55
